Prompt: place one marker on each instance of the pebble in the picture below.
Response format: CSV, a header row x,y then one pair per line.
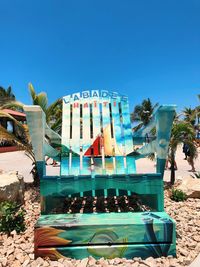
x,y
83,263
26,262
68,263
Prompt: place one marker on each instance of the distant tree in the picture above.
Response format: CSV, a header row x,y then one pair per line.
x,y
6,95
21,137
190,115
8,100
142,113
182,131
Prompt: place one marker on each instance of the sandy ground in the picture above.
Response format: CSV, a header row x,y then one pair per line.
x,y
18,161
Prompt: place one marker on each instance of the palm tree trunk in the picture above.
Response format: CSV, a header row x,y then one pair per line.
x,y
172,178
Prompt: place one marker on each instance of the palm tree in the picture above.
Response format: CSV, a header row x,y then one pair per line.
x,y
6,94
190,115
142,113
8,100
53,112
21,137
182,131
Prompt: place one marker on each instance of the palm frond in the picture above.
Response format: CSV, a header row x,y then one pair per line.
x,y
183,132
10,93
21,129
42,101
14,105
7,137
32,91
143,112
54,109
57,126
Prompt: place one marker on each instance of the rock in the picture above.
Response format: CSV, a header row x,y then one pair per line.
x,y
10,251
4,261
17,263
190,186
39,260
83,263
34,264
11,258
150,261
56,264
46,263
137,259
31,256
103,262
91,260
60,264
13,233
20,257
67,263
118,260
26,262
11,187
135,264
183,252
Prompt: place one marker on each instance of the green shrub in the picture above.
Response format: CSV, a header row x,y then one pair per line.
x,y
11,217
178,195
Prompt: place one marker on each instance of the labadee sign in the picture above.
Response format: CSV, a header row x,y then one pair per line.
x,y
94,94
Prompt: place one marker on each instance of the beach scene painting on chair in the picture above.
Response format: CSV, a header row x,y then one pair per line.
x,y
97,129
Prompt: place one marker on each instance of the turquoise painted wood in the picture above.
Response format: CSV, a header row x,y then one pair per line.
x,y
147,186
98,154
128,251
117,234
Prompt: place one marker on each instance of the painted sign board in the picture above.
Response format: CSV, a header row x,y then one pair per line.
x,y
96,131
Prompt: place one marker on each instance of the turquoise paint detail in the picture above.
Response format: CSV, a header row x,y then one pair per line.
x,y
152,231
147,186
80,252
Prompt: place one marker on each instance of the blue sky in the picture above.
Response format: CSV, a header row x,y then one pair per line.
x,y
141,48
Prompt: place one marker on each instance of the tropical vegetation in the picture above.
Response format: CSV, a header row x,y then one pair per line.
x,y
178,195
183,130
53,112
8,100
142,113
11,217
21,137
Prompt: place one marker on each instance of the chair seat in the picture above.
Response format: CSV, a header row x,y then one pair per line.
x,y
151,233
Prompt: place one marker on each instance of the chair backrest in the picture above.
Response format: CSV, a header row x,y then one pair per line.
x,y
97,145
96,134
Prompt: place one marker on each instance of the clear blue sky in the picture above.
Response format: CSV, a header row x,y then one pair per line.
x,y
141,48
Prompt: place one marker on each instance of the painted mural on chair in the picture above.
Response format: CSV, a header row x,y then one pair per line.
x,y
97,139
145,234
96,133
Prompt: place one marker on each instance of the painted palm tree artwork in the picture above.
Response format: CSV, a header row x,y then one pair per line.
x,y
99,205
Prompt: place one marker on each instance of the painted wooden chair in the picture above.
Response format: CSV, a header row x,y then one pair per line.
x,y
99,205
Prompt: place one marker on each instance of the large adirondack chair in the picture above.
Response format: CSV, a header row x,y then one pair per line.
x,y
97,155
